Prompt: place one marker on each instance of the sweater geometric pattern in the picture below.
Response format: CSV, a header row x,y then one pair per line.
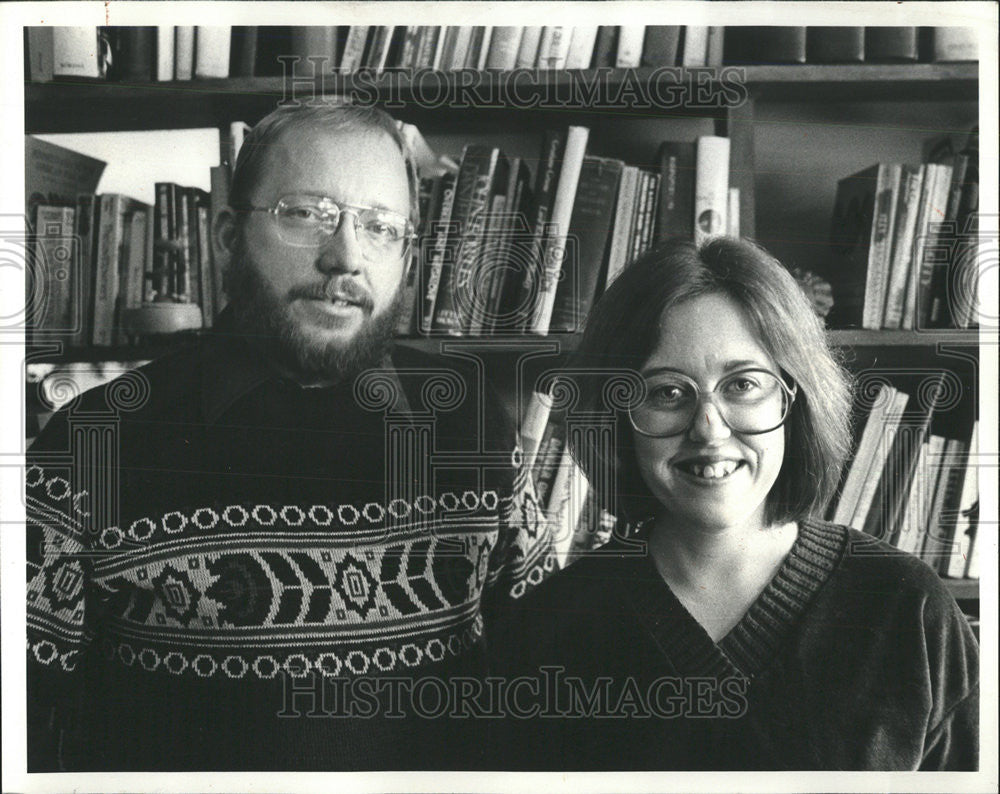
x,y
250,590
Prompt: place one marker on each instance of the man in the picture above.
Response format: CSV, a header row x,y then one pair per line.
x,y
246,556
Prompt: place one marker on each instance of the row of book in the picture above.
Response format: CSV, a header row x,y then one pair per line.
x,y
913,488
502,254
904,243
143,54
108,255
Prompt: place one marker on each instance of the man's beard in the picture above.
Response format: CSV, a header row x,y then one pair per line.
x,y
266,321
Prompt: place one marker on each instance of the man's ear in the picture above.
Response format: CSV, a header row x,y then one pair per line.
x,y
224,230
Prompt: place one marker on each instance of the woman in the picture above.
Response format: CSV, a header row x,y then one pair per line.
x,y
726,626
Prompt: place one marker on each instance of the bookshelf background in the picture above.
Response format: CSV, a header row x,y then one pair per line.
x,y
803,127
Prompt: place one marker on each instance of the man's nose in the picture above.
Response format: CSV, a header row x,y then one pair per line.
x,y
708,423
341,251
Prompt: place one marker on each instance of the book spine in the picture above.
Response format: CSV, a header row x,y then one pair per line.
x,y
135,268
165,53
562,209
84,230
106,268
554,47
55,264
711,187
532,429
483,50
629,52
926,249
883,220
639,214
527,52
547,460
624,209
857,469
317,45
694,49
553,146
354,49
460,49
593,209
134,52
907,210
715,50
733,213
755,45
954,44
661,44
243,51
868,513
183,52
411,44
431,48
514,254
940,544
966,517
677,177
649,215
605,46
835,44
205,269
441,230
41,63
890,44
911,531
76,52
581,47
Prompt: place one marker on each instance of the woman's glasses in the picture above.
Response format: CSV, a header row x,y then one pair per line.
x,y
750,401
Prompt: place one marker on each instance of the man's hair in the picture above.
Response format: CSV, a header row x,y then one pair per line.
x,y
623,330
328,116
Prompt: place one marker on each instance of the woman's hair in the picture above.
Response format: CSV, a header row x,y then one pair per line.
x,y
622,332
328,116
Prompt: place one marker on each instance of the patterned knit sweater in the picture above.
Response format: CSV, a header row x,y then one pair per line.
x,y
853,657
217,557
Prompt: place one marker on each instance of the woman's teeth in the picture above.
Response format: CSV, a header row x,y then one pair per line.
x,y
713,471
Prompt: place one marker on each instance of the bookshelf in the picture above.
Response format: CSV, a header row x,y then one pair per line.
x,y
880,94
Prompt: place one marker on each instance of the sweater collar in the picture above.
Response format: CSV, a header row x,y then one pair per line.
x,y
748,648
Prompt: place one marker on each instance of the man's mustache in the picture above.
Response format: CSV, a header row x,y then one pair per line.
x,y
335,289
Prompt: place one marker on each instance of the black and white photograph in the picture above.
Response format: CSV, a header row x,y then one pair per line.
x,y
493,396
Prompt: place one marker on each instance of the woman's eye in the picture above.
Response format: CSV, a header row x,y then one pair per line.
x,y
666,395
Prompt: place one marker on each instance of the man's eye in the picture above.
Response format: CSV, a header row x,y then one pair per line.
x,y
303,213
383,230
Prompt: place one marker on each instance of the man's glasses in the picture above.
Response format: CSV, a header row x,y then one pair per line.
x,y
307,221
750,401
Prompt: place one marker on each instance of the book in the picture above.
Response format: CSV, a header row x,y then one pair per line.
x,y
513,251
711,192
527,51
483,38
871,477
884,517
354,49
76,52
628,54
54,174
733,213
890,44
581,47
185,279
532,428
243,51
565,505
715,51
914,525
835,44
618,248
473,190
164,231
184,52
39,44
589,229
377,53
165,52
926,251
53,280
429,47
950,44
316,44
958,303
488,262
940,544
456,52
860,237
857,469
133,50
694,46
211,51
562,209
546,176
639,210
675,215
411,47
85,230
554,47
911,181
550,451
661,45
605,46
133,265
107,262
966,518
504,47
765,44
439,231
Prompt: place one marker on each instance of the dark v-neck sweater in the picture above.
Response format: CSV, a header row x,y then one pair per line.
x,y
853,657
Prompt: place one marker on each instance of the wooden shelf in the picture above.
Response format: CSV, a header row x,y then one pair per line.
x,y
859,337
963,589
432,99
